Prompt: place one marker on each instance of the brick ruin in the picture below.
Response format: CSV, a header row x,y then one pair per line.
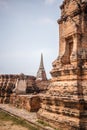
x,y
62,101
30,102
41,73
64,105
23,90
8,84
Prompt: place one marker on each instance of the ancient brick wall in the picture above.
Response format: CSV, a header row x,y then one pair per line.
x,y
42,85
22,91
29,102
8,85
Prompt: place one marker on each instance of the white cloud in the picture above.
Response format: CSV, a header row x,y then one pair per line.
x,y
50,1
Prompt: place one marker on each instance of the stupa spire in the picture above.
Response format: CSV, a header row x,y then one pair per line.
x,y
41,62
41,74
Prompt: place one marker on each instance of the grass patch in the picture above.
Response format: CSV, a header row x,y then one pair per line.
x,y
43,123
15,121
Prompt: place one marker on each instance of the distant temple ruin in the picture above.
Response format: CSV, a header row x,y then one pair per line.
x,y
22,90
41,74
64,106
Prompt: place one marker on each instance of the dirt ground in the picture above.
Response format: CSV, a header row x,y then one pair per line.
x,y
8,125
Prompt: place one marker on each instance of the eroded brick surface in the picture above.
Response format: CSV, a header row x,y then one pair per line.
x,y
64,105
22,91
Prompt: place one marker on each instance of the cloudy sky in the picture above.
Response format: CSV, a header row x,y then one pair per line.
x,y
27,29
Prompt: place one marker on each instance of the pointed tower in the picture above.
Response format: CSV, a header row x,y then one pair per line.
x,y
41,74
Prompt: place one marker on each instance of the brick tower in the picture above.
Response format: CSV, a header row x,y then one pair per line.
x,y
41,74
64,105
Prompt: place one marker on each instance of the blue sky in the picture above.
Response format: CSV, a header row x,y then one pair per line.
x,y
27,29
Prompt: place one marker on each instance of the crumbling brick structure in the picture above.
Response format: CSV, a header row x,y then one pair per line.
x,y
29,102
22,91
8,84
64,106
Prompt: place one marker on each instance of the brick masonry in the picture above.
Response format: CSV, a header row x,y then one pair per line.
x,y
22,91
64,105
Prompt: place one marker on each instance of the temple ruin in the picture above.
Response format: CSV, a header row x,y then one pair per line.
x,y
23,91
64,105
41,74
61,101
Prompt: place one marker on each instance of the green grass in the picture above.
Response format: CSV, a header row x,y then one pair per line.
x,y
15,121
19,121
43,123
